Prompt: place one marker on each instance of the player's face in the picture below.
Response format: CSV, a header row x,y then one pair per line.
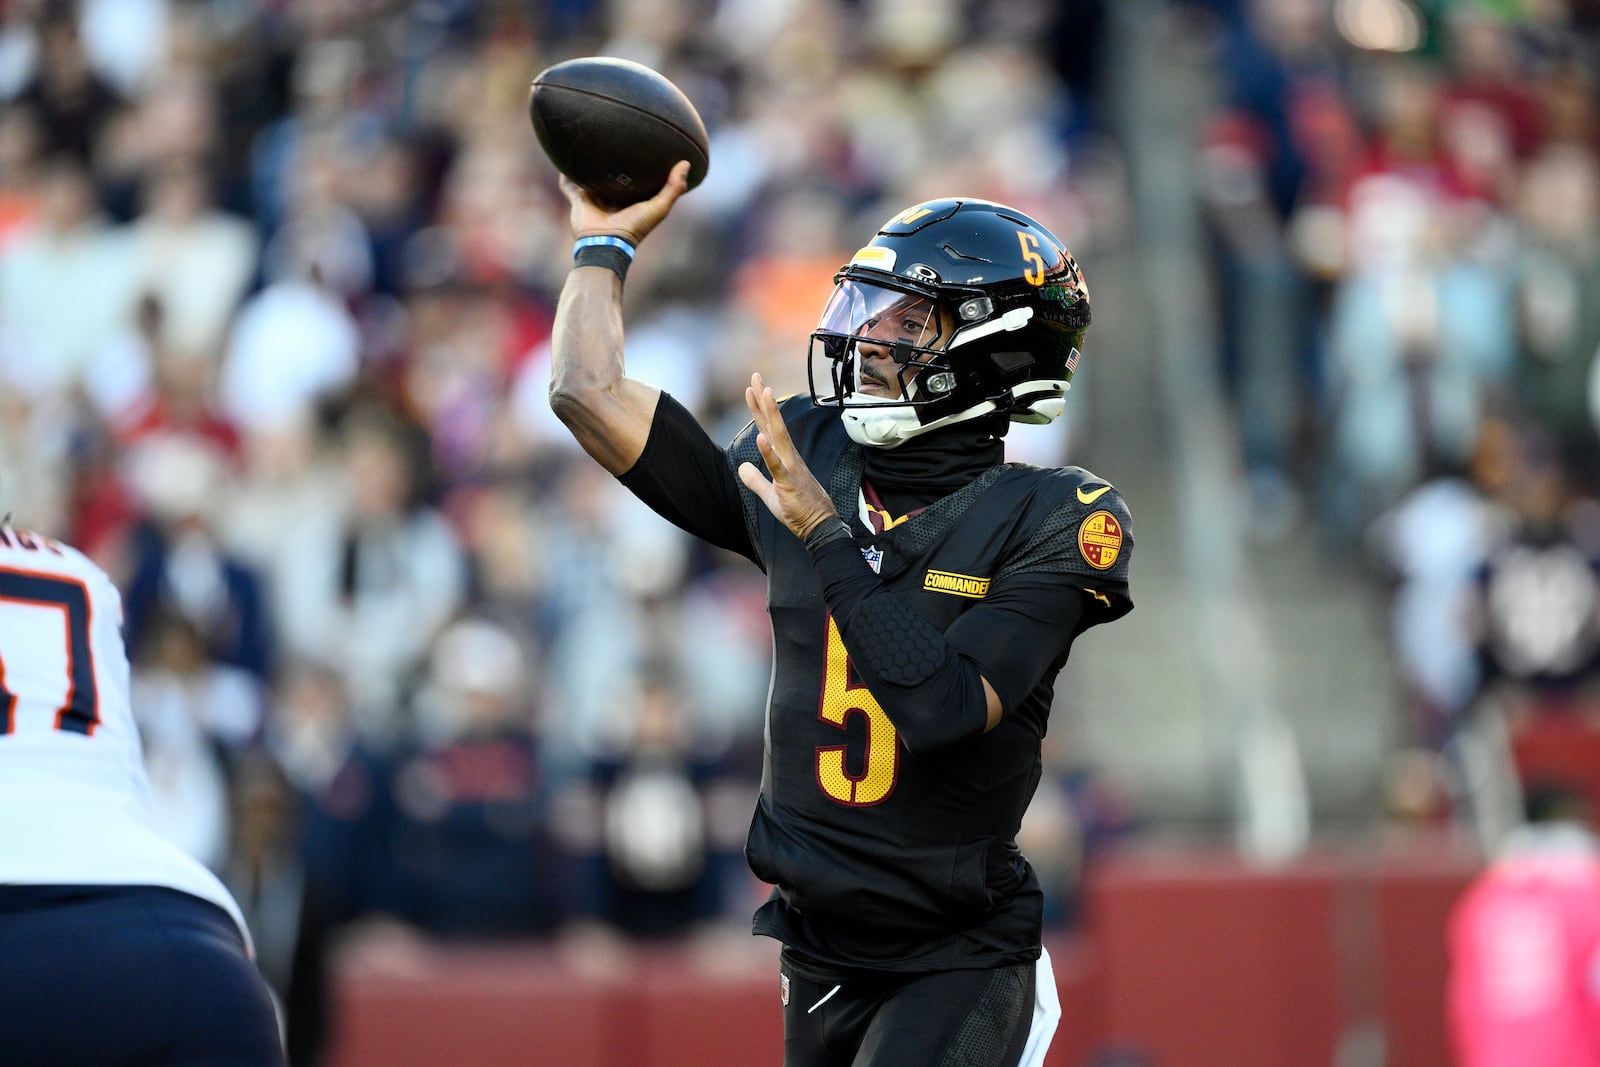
x,y
883,323
912,320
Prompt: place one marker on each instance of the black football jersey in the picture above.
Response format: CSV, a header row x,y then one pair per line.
x,y
882,858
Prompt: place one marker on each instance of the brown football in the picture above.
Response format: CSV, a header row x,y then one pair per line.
x,y
616,127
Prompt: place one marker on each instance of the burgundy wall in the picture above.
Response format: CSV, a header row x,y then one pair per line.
x,y
1193,957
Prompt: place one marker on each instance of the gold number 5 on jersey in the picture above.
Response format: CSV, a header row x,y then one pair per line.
x,y
841,699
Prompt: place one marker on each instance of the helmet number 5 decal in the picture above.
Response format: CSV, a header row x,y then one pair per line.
x,y
841,699
1033,273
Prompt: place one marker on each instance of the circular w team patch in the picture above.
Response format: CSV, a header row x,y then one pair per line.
x,y
1100,540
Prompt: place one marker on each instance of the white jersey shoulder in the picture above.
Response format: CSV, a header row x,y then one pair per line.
x,y
71,770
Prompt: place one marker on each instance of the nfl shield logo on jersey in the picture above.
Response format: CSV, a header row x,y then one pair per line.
x,y
874,558
783,989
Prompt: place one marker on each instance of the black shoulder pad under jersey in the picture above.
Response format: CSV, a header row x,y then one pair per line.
x,y
1087,533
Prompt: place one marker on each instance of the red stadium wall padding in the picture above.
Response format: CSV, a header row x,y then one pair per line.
x,y
1414,901
1080,984
1205,965
1209,963
434,1007
1194,958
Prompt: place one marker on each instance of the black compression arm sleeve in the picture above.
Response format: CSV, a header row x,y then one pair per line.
x,y
683,476
932,695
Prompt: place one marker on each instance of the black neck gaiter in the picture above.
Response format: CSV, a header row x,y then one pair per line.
x,y
932,466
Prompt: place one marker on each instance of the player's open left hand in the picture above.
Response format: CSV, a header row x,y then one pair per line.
x,y
632,223
793,494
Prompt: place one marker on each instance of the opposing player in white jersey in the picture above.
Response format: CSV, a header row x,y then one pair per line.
x,y
116,948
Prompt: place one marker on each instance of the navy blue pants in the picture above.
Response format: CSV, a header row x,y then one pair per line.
x,y
117,976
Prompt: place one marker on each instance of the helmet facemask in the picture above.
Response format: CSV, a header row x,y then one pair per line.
x,y
877,341
889,355
883,352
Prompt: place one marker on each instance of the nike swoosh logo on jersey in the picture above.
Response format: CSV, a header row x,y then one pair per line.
x,y
1090,498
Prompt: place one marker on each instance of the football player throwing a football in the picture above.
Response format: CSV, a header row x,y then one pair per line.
x,y
924,595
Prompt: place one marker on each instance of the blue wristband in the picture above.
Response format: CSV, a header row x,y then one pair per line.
x,y
603,240
603,250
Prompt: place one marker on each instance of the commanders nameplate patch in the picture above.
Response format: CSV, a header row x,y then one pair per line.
x,y
1100,540
956,584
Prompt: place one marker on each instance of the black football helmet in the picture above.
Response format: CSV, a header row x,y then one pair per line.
x,y
957,310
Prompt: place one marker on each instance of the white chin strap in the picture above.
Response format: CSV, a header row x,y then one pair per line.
x,y
875,426
891,427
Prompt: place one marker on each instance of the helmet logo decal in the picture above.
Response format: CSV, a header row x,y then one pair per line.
x,y
922,273
1100,540
910,215
874,256
1033,269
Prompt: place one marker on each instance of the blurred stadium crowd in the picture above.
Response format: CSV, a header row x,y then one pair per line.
x,y
276,283
1404,206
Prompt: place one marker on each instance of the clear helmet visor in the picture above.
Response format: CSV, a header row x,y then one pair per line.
x,y
873,342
